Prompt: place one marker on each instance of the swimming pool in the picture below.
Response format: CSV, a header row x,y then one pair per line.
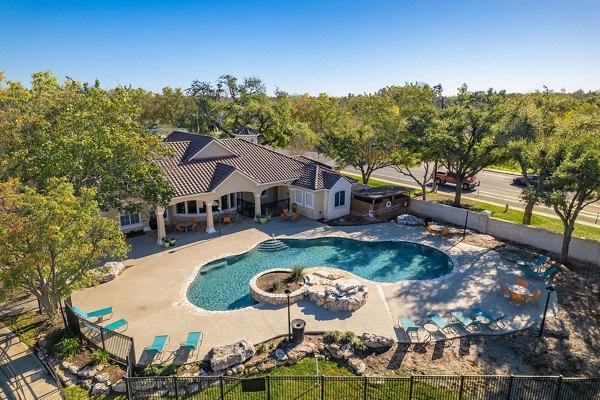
x,y
223,284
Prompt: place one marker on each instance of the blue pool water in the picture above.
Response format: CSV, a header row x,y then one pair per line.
x,y
227,287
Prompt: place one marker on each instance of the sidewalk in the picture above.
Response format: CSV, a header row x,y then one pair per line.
x,y
32,380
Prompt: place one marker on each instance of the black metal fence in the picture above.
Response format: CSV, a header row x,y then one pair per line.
x,y
366,388
120,347
246,208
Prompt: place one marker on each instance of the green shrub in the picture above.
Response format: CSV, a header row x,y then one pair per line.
x,y
274,286
169,369
263,347
152,370
334,336
100,356
349,337
296,273
69,346
161,370
359,344
53,338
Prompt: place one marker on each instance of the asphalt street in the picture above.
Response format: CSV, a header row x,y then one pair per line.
x,y
496,187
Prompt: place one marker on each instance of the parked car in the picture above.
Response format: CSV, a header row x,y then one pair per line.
x,y
443,177
520,180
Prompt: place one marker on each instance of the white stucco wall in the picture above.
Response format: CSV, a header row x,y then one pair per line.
x,y
331,211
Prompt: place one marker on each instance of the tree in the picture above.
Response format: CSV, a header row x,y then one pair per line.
x,y
467,143
527,131
416,104
206,99
575,184
51,240
367,132
171,107
85,134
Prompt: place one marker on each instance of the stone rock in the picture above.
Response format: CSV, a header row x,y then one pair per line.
x,y
323,274
280,355
193,388
109,271
100,389
202,372
86,384
72,368
374,341
102,378
339,352
238,369
357,365
119,387
343,285
88,372
407,219
66,377
345,351
224,357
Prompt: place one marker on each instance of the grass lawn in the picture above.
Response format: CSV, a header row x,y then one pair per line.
x,y
27,326
512,215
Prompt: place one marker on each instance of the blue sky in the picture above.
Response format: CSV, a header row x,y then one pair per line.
x,y
337,47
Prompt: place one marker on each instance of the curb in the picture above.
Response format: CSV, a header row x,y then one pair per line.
x,y
499,171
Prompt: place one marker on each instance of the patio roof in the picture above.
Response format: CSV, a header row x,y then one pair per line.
x,y
382,191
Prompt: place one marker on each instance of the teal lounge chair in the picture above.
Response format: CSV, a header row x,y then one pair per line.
x,y
158,345
409,326
542,275
193,341
93,314
537,263
111,327
441,322
465,320
491,321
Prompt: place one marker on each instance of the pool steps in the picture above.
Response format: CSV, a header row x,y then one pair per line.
x,y
273,245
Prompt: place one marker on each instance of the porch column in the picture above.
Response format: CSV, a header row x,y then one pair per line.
x,y
160,225
257,208
210,227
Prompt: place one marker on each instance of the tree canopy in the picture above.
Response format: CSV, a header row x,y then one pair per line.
x,y
51,240
90,136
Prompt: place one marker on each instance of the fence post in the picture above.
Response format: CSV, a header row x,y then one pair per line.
x,y
510,386
268,387
102,338
410,388
176,389
322,387
221,388
460,390
365,388
560,381
132,354
128,388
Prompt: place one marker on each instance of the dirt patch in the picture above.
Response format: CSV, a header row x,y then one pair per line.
x,y
350,220
278,282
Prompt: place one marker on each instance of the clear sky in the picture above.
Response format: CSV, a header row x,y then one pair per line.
x,y
337,47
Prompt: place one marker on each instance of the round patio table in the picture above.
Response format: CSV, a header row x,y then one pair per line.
x,y
185,225
519,289
431,329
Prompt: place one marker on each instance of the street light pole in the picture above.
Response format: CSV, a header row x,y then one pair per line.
x,y
550,289
287,292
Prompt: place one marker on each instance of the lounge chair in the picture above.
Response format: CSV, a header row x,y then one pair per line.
x,y
158,345
193,341
465,320
542,275
490,321
284,214
537,263
441,322
409,326
110,327
93,314
295,216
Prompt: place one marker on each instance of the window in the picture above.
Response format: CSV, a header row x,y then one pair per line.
x,y
130,219
308,200
191,207
180,208
298,196
225,202
340,198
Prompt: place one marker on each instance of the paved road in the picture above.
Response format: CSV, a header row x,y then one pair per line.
x,y
496,187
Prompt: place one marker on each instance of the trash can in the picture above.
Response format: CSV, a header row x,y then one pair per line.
x,y
298,330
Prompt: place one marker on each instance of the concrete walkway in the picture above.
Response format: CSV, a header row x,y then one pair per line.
x,y
151,292
22,375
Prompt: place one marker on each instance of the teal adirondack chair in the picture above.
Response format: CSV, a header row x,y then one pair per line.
x,y
193,342
158,345
409,326
92,314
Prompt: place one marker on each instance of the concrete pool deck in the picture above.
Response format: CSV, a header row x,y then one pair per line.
x,y
150,293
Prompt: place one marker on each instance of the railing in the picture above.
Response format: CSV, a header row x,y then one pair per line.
x,y
11,375
366,388
119,347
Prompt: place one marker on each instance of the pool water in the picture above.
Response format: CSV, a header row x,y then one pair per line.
x,y
224,284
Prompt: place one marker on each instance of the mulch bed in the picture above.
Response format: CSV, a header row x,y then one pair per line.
x,y
277,283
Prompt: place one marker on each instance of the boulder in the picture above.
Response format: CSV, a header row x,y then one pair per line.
x,y
102,378
109,271
86,384
224,357
340,352
280,355
343,285
100,389
374,341
238,369
357,365
119,387
88,372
